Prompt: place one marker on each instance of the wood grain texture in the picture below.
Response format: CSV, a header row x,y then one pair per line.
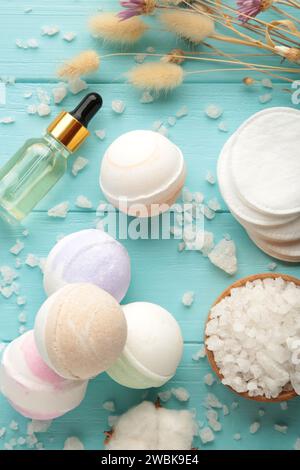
x,y
160,273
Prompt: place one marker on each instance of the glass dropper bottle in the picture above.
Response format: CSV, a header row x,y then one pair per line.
x,y
37,166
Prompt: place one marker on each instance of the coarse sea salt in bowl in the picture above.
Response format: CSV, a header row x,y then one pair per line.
x,y
252,337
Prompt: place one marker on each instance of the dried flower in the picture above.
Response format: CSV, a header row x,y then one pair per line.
x,y
290,53
194,27
156,76
109,27
176,56
136,7
251,8
84,63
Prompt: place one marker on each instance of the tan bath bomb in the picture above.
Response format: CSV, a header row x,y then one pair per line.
x,y
80,331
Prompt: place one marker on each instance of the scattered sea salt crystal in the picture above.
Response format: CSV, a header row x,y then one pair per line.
x,y
31,109
17,248
27,95
209,379
27,10
210,178
150,50
7,120
21,44
146,98
36,426
31,440
69,36
73,443
234,405
43,95
140,58
165,395
14,425
223,255
83,202
180,393
206,435
59,93
261,412
188,298
182,112
237,437
297,444
77,85
207,212
22,317
21,301
43,109
78,165
22,329
101,134
49,30
171,121
284,405
254,427
225,410
198,197
32,43
214,204
163,131
7,291
281,428
187,196
223,126
199,354
109,406
8,274
7,446
2,432
272,266
267,83
211,401
21,441
118,106
32,260
181,246
265,98
213,111
60,210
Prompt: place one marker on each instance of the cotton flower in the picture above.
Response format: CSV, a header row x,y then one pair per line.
x,y
251,8
156,76
290,53
194,27
84,63
136,7
109,27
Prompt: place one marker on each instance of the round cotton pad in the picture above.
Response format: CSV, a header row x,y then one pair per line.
x,y
31,387
265,161
153,348
80,331
142,173
90,256
238,207
289,253
286,233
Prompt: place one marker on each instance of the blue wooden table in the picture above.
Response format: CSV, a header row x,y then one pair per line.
x,y
160,273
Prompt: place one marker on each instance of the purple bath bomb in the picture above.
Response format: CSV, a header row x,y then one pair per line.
x,y
89,256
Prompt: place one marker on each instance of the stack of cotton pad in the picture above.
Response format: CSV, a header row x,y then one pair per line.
x,y
259,174
142,173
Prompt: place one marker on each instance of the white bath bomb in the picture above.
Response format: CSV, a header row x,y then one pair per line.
x,y
142,173
153,348
31,387
80,331
90,256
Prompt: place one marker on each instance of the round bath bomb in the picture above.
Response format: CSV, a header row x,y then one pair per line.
x,y
31,387
142,173
80,331
90,256
153,348
265,161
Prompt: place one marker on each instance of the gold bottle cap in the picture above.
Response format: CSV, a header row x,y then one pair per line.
x,y
68,131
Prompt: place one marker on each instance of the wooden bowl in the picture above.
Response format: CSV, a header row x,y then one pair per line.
x,y
284,395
